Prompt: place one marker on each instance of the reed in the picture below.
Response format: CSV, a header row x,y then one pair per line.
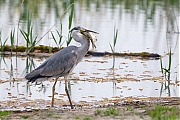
x,y
114,40
166,72
114,45
12,39
50,49
28,35
71,5
69,26
2,44
59,41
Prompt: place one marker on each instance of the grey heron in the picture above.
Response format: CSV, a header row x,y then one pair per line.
x,y
62,63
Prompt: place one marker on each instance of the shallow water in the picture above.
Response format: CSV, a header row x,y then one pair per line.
x,y
143,26
130,77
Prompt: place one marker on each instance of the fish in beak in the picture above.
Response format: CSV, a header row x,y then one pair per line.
x,y
91,35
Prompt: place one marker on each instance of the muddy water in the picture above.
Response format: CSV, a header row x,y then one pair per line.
x,y
143,26
130,77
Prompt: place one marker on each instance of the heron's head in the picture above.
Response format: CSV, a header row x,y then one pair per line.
x,y
86,33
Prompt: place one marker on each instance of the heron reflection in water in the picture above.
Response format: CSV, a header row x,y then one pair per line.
x,y
64,61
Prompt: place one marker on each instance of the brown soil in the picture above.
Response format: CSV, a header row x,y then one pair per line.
x,y
126,111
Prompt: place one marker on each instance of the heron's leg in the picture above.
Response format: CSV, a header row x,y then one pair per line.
x,y
67,92
53,91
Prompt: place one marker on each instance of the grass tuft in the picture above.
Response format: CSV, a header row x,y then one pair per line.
x,y
166,72
25,116
164,113
114,40
108,112
2,44
28,35
4,113
129,108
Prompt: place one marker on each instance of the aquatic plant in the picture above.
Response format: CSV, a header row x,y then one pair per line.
x,y
28,36
113,47
12,39
166,72
50,49
58,42
69,26
70,19
30,65
2,44
114,40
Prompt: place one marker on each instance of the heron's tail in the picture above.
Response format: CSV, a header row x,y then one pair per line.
x,y
32,76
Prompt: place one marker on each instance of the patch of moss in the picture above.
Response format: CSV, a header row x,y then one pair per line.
x,y
144,54
20,49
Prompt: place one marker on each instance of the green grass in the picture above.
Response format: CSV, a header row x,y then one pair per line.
x,y
129,108
2,44
70,24
58,42
28,35
160,112
48,114
76,118
31,39
51,114
12,39
166,72
108,112
114,40
25,116
4,113
83,118
87,118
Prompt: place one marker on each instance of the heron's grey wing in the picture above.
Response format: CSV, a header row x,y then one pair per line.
x,y
60,64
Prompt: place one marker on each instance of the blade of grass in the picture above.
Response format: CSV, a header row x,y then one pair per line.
x,y
112,49
115,35
170,56
28,35
71,17
60,38
12,38
3,44
161,65
54,38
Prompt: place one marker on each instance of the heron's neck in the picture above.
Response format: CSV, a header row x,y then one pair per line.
x,y
83,49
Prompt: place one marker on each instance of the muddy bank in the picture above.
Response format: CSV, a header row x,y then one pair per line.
x,y
130,109
46,51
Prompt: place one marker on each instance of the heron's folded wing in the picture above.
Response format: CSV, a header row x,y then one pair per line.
x,y
60,64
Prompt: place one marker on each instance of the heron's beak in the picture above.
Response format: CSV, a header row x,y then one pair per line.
x,y
90,34
90,31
